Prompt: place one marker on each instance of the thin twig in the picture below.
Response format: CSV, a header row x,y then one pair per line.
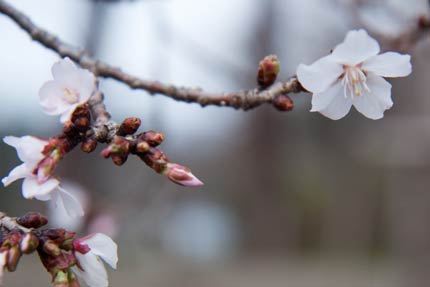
x,y
245,100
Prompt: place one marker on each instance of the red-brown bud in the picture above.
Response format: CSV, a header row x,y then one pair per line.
x,y
81,117
60,279
32,220
129,126
51,248
142,146
118,146
153,138
156,159
89,145
69,129
13,257
424,22
119,159
283,103
29,243
268,71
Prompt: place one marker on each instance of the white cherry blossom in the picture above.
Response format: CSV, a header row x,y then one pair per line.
x,y
71,86
89,251
3,257
353,75
29,150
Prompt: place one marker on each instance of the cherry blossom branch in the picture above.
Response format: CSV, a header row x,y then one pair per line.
x,y
245,99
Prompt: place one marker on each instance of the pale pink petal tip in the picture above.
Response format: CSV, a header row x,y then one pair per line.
x,y
182,175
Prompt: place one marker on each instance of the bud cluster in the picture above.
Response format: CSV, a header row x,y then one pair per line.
x,y
144,145
56,247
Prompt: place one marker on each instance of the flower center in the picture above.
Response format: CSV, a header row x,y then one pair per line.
x,y
70,96
354,81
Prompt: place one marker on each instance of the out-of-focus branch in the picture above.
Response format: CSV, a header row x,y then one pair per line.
x,y
245,100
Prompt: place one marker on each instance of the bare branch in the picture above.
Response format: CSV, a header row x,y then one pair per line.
x,y
245,100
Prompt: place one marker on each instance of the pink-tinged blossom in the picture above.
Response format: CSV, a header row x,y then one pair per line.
x,y
71,86
352,75
3,257
29,150
89,252
181,175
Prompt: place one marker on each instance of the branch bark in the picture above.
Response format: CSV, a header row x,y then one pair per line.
x,y
246,99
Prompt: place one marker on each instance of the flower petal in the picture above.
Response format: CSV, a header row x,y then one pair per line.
x,y
338,108
28,148
51,98
94,272
18,172
357,47
390,64
62,69
3,257
32,188
103,246
373,104
64,199
318,76
321,100
67,114
381,89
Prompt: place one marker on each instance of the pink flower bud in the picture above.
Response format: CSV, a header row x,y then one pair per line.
x,y
32,220
153,138
129,126
283,103
181,175
268,70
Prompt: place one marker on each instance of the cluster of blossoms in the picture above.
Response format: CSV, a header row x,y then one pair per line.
x,y
68,95
66,258
70,88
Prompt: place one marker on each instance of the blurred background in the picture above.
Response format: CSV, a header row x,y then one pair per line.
x,y
291,199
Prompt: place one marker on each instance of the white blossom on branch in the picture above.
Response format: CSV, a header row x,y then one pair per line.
x,y
353,75
89,251
36,171
71,87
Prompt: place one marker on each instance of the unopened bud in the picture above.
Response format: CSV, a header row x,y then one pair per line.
x,y
81,117
181,175
13,257
119,159
45,168
32,220
51,248
60,279
268,71
283,103
69,129
129,126
424,22
153,138
73,280
118,150
156,159
29,243
82,124
142,146
89,145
